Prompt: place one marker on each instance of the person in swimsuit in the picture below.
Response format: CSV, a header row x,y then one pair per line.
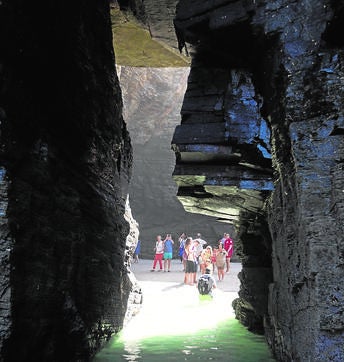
x,y
221,256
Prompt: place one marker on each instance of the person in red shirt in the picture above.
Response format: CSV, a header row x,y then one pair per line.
x,y
228,246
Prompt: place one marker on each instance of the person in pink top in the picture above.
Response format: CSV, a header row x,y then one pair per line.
x,y
228,246
159,252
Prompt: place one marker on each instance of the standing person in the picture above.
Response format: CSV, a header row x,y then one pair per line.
x,y
228,246
198,250
221,255
222,240
213,258
168,250
205,259
201,241
137,251
182,240
206,283
191,266
159,252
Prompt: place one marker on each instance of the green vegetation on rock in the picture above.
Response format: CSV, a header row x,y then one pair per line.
x,y
135,47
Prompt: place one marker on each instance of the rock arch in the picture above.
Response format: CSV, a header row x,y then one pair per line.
x,y
275,66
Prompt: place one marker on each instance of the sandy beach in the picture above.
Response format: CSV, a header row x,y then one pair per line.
x,y
175,323
142,272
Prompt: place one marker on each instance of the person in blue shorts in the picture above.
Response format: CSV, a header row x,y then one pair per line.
x,y
137,251
168,249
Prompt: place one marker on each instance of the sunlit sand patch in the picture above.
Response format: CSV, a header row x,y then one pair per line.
x,y
176,309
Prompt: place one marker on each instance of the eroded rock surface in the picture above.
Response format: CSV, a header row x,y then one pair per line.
x,y
66,157
260,146
266,80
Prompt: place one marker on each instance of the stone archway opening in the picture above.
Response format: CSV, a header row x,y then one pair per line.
x,y
222,146
153,79
66,156
222,150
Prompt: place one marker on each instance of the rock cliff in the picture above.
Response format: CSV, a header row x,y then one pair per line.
x,y
260,146
261,143
66,159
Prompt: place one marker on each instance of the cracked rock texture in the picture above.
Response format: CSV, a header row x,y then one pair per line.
x,y
261,144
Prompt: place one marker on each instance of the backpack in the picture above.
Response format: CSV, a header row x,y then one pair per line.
x,y
204,285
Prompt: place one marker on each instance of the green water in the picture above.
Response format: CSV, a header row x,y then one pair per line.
x,y
175,324
229,341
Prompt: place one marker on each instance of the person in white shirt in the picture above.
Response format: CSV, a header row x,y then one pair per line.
x,y
159,253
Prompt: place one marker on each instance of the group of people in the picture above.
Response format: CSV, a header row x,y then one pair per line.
x,y
195,254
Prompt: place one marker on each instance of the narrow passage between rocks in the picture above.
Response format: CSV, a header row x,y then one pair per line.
x,y
176,324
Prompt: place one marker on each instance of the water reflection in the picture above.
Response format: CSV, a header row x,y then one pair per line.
x,y
176,325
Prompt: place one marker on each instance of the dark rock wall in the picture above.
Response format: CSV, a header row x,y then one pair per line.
x,y
67,156
308,265
223,151
288,58
254,250
5,267
260,146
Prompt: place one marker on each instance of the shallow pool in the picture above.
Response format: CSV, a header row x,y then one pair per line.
x,y
175,324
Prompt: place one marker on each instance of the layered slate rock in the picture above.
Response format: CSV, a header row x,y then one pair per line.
x,y
222,145
66,156
223,153
287,58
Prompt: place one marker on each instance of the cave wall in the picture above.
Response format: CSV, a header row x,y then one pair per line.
x,y
65,168
307,230
260,146
283,59
223,153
